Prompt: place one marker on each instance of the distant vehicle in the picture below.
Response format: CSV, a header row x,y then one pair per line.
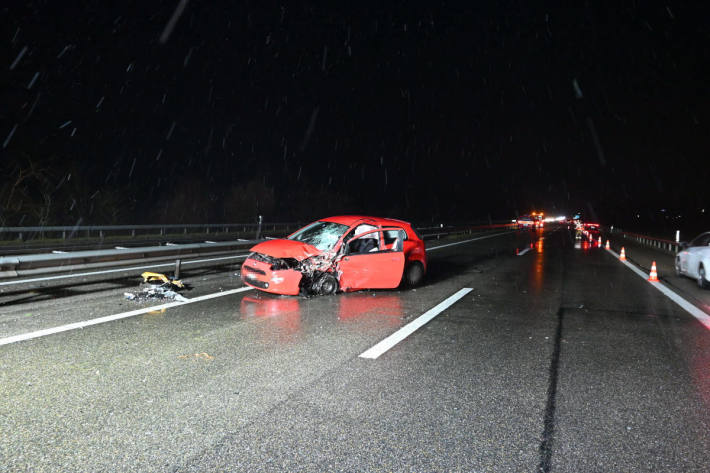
x,y
525,221
534,220
592,228
346,253
693,260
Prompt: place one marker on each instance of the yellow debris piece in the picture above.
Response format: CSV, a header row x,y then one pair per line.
x,y
203,355
149,276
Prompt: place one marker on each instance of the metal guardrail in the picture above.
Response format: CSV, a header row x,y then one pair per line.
x,y
60,261
102,231
662,244
25,265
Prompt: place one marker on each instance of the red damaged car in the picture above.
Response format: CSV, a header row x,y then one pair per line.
x,y
345,253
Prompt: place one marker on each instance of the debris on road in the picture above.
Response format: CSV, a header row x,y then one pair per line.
x,y
150,276
150,290
153,291
203,356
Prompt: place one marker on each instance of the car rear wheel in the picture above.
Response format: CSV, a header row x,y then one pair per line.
x,y
701,277
413,274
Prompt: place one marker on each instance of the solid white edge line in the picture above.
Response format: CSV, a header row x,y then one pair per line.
x,y
467,241
524,251
692,309
110,318
412,326
118,270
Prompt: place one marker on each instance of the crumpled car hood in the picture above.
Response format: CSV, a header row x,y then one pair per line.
x,y
282,248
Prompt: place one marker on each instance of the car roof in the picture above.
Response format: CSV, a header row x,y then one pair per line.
x,y
352,219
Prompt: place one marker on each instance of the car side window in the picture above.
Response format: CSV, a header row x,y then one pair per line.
x,y
702,240
369,242
394,239
362,245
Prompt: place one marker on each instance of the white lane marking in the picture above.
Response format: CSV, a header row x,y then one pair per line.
x,y
412,326
693,310
110,318
118,270
466,241
524,251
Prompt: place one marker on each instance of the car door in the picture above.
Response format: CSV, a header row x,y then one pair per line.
x,y
694,253
364,266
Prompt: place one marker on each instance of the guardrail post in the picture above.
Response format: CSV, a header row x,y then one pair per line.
x,y
133,232
177,269
258,227
64,235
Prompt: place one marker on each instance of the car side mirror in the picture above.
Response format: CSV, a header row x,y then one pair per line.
x,y
683,245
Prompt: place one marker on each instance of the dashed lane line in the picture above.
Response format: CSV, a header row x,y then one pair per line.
x,y
413,326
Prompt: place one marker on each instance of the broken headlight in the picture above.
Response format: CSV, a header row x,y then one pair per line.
x,y
284,263
276,263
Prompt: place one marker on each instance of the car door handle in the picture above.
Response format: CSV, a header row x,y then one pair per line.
x,y
346,258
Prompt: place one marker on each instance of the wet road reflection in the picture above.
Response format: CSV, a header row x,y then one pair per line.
x,y
284,315
700,365
538,268
386,308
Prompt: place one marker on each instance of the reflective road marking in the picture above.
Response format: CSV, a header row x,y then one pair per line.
x,y
524,251
466,241
110,318
702,317
412,326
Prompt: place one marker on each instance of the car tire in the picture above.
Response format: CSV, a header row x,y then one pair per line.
x,y
413,274
326,284
677,268
701,277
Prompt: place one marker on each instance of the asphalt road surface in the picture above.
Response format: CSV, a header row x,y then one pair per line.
x,y
558,359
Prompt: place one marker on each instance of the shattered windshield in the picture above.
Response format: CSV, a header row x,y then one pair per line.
x,y
322,235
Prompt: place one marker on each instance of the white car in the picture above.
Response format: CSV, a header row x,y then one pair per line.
x,y
693,260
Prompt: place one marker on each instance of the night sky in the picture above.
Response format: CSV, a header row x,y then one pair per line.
x,y
419,110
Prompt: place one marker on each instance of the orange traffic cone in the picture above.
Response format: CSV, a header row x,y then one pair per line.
x,y
607,245
622,255
653,276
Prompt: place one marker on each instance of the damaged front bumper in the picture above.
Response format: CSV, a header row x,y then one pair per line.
x,y
289,276
261,274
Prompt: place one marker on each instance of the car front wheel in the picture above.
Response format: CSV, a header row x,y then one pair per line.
x,y
701,277
325,284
